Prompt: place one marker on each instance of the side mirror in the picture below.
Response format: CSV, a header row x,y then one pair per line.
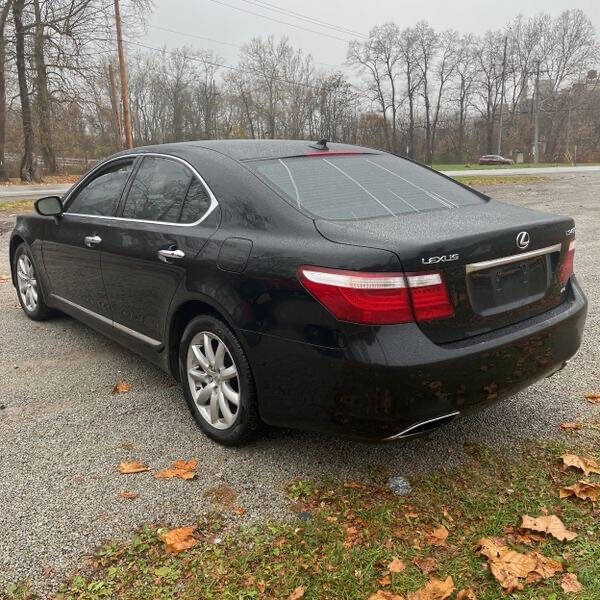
x,y
50,206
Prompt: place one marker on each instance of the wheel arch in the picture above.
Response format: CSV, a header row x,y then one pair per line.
x,y
15,241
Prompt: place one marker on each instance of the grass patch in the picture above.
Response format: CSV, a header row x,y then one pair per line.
x,y
485,180
16,206
346,535
475,166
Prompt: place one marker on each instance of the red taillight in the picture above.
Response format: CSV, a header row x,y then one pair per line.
x,y
567,267
378,298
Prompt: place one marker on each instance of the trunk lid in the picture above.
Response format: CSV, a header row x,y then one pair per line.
x,y
492,280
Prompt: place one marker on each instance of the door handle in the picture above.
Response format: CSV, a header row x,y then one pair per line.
x,y
168,255
92,240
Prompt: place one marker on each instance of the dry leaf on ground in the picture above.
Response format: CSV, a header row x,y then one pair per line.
x,y
396,566
297,594
4,278
512,569
381,595
587,465
128,495
467,594
426,565
550,524
437,537
121,387
593,398
585,490
385,581
570,584
435,589
179,539
571,426
180,468
134,466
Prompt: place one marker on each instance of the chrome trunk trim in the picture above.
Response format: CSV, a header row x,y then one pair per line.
x,y
506,260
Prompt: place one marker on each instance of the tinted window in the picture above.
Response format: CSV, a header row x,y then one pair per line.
x,y
362,186
158,190
196,202
101,195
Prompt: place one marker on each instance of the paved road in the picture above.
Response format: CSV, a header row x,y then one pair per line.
x,y
62,433
17,192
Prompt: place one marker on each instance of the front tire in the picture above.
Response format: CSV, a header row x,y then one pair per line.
x,y
29,286
217,381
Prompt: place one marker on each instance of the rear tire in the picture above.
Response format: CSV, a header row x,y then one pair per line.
x,y
29,286
217,381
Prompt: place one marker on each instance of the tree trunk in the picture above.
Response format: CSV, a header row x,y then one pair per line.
x,y
27,162
43,97
3,18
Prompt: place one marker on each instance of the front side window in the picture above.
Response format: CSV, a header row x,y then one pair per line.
x,y
362,186
158,191
101,195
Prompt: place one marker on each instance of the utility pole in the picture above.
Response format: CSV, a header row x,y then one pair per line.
x,y
115,107
123,77
536,116
502,96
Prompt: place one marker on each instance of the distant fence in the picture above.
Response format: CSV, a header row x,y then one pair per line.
x,y
73,165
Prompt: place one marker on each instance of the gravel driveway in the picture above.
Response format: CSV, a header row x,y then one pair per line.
x,y
62,433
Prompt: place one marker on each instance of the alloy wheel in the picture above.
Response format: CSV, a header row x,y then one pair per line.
x,y
213,379
27,281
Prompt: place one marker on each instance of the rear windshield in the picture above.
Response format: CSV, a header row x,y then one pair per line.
x,y
362,186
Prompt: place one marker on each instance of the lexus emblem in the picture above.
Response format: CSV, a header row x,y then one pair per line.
x,y
522,240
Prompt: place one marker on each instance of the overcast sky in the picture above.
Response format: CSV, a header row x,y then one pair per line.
x,y
220,21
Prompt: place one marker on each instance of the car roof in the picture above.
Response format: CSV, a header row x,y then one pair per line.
x,y
253,149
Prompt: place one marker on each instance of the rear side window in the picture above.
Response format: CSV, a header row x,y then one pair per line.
x,y
196,203
101,195
158,191
362,186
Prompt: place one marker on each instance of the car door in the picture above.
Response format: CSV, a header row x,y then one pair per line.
x,y
162,227
71,250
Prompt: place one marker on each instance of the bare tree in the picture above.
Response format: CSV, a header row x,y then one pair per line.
x,y
4,14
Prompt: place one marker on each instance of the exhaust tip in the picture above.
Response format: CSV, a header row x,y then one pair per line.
x,y
424,427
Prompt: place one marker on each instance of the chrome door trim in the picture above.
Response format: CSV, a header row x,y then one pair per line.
x,y
506,260
106,321
213,200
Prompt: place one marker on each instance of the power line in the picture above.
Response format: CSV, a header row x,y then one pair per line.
x,y
333,37
309,19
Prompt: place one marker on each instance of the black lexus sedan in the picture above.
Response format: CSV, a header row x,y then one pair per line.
x,y
312,285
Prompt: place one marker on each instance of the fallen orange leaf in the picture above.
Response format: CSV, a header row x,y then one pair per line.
x,y
437,537
571,426
570,584
593,398
426,565
385,581
180,539
467,594
180,468
435,589
128,495
587,465
134,466
585,490
381,595
121,387
297,594
396,566
550,525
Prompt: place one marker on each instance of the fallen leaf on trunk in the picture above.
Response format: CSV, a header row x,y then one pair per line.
x,y
121,387
587,465
551,525
593,398
437,537
180,468
134,466
467,594
585,490
571,426
128,495
435,589
570,584
425,565
297,594
396,566
381,595
180,539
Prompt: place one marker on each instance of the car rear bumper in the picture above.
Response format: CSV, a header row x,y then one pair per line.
x,y
391,380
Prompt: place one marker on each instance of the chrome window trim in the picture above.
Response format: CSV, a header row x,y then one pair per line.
x,y
213,200
506,260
